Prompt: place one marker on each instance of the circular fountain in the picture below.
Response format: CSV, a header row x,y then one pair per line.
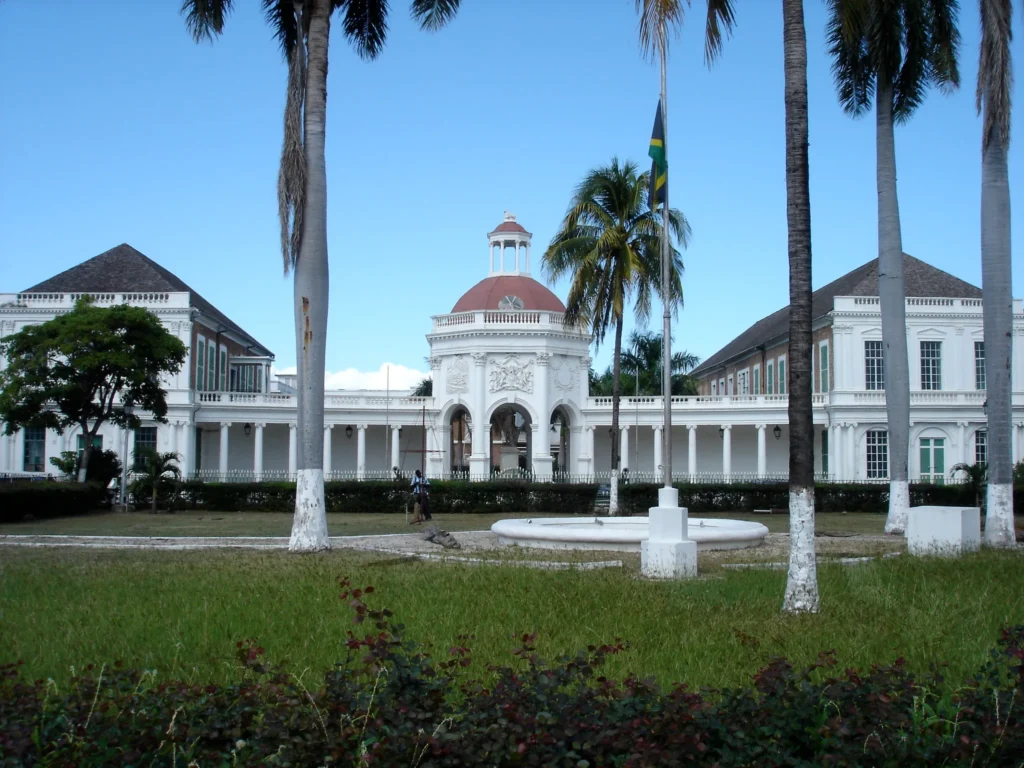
x,y
623,534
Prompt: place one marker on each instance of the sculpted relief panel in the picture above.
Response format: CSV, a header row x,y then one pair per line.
x,y
457,376
510,374
565,375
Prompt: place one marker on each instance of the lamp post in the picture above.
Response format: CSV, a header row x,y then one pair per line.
x,y
127,409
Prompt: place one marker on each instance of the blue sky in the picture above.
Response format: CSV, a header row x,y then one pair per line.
x,y
116,127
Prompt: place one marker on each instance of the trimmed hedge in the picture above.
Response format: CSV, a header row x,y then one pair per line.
x,y
47,498
389,703
830,497
351,496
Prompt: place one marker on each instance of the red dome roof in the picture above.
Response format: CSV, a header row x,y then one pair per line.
x,y
510,226
487,293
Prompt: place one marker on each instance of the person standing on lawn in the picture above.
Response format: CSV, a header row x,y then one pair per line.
x,y
421,492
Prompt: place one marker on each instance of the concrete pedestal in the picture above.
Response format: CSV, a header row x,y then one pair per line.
x,y
947,531
668,553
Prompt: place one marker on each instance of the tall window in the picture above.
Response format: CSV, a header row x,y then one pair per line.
x,y
35,449
979,365
981,447
743,383
97,445
782,375
714,387
721,386
771,379
933,460
201,365
211,367
223,370
878,454
145,440
757,379
823,361
931,365
729,390
874,365
824,451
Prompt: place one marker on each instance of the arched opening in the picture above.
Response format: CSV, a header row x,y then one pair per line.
x,y
559,436
511,442
461,446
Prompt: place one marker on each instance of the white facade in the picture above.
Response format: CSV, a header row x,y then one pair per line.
x,y
514,379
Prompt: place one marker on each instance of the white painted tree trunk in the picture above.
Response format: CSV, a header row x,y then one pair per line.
x,y
309,526
802,579
613,493
998,324
892,301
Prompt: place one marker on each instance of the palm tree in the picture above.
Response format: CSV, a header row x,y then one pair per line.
x,y
802,580
643,360
609,246
995,77
891,51
974,475
158,470
303,28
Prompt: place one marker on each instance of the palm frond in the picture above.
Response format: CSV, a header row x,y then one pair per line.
x,y
721,18
995,74
434,14
291,177
846,33
204,19
365,24
945,44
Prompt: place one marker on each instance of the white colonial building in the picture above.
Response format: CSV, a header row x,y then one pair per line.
x,y
510,386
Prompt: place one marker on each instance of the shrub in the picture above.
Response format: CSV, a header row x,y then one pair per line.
x,y
47,498
829,497
351,496
389,702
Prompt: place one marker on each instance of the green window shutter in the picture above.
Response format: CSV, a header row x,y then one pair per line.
x,y
939,457
201,366
926,456
824,369
782,377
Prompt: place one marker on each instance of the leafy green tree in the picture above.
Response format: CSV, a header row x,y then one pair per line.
x,y
974,475
995,78
425,388
609,247
642,362
303,28
887,53
77,369
104,465
160,471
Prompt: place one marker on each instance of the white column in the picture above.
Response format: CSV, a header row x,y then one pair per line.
x,y
586,453
762,455
542,445
727,452
395,446
658,459
186,438
18,460
1017,441
964,459
360,451
293,455
480,460
327,448
257,451
851,453
222,465
834,457
624,447
527,256
691,447
4,452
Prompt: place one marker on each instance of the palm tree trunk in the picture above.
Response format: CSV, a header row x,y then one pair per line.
x,y
309,527
613,485
802,581
892,302
155,485
998,324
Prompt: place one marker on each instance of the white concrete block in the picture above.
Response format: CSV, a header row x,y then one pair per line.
x,y
943,530
668,553
668,559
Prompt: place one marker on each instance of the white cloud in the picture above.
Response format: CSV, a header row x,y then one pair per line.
x,y
351,378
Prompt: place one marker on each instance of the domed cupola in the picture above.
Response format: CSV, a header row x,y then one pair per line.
x,y
509,285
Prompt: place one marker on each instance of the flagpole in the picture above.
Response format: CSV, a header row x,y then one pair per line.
x,y
666,340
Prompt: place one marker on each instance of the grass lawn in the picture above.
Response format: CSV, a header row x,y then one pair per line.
x,y
181,613
279,524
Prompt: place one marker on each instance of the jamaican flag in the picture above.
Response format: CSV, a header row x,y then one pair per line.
x,y
659,168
